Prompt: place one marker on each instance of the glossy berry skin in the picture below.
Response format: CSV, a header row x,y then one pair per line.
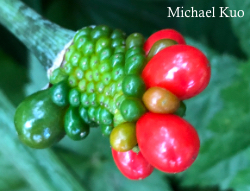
x,y
158,46
38,121
163,34
123,137
59,93
182,69
75,127
168,142
160,100
132,165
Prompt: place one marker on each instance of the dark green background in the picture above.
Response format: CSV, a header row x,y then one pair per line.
x,y
221,114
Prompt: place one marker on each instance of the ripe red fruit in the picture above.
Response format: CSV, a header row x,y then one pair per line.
x,y
167,141
181,69
163,34
132,165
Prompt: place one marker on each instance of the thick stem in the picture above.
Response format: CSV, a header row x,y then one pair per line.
x,y
44,38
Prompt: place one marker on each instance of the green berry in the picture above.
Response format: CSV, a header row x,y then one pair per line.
x,y
75,57
118,42
81,41
91,113
84,63
93,100
132,109
105,66
57,76
90,88
94,62
69,52
75,127
105,53
72,81
38,121
67,68
135,39
84,115
74,97
82,32
79,73
100,31
100,87
134,51
82,85
117,33
84,100
60,93
103,42
88,48
106,117
117,73
133,85
135,64
117,59
106,129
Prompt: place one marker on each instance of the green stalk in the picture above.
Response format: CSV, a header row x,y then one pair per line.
x,y
42,169
44,38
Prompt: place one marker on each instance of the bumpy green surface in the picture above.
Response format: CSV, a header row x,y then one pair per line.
x,y
102,68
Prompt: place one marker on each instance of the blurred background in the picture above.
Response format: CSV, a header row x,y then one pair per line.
x,y
221,114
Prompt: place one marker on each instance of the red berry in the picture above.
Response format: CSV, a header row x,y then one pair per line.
x,y
181,69
132,165
167,141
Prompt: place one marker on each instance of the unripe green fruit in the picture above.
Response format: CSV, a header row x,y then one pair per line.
x,y
58,75
38,121
75,127
74,97
106,129
158,46
133,85
132,109
59,93
135,39
135,64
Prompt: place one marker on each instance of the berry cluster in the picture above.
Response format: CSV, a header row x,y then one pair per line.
x,y
100,80
132,89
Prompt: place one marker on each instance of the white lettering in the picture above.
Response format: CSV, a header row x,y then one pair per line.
x,y
186,13
194,12
242,13
171,12
201,13
208,12
222,12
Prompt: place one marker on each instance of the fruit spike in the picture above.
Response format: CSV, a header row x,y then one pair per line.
x,y
102,68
